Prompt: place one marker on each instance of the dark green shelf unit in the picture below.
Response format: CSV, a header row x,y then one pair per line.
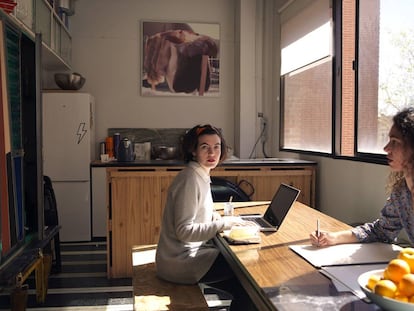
x,y
24,216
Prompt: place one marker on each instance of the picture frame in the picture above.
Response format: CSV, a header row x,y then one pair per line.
x,y
180,59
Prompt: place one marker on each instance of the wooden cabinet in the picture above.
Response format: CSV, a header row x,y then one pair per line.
x,y
265,180
136,197
136,200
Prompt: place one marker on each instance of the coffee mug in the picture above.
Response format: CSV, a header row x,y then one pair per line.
x,y
105,157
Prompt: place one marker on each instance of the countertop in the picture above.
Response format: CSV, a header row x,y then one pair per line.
x,y
230,162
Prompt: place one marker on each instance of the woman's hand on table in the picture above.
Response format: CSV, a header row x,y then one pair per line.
x,y
230,221
323,239
332,238
216,216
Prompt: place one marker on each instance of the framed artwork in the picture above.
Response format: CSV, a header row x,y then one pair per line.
x,y
180,59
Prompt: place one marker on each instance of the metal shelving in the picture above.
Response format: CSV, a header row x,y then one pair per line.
x,y
41,16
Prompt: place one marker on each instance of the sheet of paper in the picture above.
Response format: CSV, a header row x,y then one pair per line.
x,y
345,278
347,254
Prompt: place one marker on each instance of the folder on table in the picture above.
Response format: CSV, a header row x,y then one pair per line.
x,y
345,278
343,263
347,254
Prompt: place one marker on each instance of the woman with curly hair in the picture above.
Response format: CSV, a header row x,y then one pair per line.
x,y
398,212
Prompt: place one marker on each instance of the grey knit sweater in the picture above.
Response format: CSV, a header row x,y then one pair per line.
x,y
184,253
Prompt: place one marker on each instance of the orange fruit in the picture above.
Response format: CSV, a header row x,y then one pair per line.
x,y
400,297
385,288
396,269
407,254
406,285
372,280
385,274
411,299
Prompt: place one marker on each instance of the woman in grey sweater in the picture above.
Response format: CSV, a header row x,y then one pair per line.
x,y
185,252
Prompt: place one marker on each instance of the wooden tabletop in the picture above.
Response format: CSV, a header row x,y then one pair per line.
x,y
275,276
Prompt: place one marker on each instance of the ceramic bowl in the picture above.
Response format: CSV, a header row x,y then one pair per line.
x,y
69,81
384,302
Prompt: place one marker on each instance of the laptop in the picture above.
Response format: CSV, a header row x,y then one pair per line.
x,y
281,203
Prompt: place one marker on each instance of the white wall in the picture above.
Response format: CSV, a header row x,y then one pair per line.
x,y
349,190
106,50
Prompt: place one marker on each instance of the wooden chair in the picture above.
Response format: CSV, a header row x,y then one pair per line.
x,y
152,293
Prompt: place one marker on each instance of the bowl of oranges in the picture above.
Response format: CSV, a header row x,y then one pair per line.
x,y
392,288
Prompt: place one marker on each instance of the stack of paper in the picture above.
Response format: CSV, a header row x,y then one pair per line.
x,y
344,263
347,254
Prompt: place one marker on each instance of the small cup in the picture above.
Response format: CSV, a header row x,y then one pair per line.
x,y
139,151
147,148
105,157
228,209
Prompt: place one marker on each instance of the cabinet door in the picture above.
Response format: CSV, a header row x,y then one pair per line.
x,y
265,180
137,202
266,185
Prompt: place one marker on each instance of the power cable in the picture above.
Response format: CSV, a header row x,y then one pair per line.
x,y
257,141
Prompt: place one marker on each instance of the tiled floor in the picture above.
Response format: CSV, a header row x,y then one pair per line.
x,y
82,284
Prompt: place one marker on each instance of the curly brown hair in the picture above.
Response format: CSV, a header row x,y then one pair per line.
x,y
403,122
190,141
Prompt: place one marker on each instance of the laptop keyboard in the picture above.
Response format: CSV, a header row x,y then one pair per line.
x,y
257,220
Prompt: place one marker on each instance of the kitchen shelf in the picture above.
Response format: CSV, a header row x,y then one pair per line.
x,y
38,16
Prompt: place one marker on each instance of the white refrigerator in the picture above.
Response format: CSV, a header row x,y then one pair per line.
x,y
68,149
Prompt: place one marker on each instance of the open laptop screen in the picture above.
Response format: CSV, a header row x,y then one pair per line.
x,y
282,201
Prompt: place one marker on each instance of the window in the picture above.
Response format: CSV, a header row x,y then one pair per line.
x,y
306,65
307,114
348,115
385,68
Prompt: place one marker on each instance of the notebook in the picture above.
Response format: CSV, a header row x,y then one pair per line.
x,y
280,205
347,254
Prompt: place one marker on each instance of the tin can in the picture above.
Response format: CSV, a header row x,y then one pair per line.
x,y
102,148
116,139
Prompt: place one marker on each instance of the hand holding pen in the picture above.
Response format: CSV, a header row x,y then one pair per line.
x,y
317,231
318,238
321,238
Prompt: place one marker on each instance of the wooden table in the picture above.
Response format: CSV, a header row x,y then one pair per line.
x,y
276,278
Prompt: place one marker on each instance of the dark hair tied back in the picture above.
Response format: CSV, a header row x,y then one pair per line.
x,y
190,141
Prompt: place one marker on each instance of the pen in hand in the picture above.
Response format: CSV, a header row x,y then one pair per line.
x,y
317,230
